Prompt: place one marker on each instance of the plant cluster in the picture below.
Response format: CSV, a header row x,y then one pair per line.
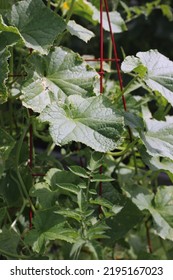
x,y
79,175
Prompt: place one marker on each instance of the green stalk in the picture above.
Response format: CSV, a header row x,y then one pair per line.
x,y
22,185
58,6
48,3
130,146
70,12
11,68
12,255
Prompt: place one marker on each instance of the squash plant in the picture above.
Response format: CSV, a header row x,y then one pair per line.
x,y
78,174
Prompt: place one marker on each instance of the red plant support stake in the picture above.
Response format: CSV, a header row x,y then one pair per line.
x,y
101,72
101,47
30,218
115,54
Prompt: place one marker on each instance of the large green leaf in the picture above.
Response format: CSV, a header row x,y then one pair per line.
x,y
4,70
56,76
92,121
155,69
160,206
158,138
9,35
38,25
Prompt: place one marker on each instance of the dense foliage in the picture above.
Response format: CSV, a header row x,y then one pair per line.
x,y
80,177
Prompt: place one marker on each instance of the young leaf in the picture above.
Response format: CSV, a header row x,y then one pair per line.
x,y
79,31
101,178
69,188
53,77
91,121
157,74
79,171
38,25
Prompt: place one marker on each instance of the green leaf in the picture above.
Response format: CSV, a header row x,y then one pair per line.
x,y
50,226
91,121
79,31
101,178
69,188
9,240
167,11
79,171
158,74
133,121
97,231
7,143
164,203
74,214
117,23
160,207
102,201
159,138
95,161
10,189
125,220
55,76
9,35
81,199
38,25
81,8
4,70
55,176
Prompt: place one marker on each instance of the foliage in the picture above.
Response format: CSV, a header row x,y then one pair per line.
x,y
79,175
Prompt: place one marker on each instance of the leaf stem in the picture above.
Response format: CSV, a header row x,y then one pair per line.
x,y
22,185
13,255
130,146
70,12
48,3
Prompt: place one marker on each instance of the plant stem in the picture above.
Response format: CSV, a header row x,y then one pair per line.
x,y
48,3
58,6
148,238
130,146
11,67
12,255
70,12
22,185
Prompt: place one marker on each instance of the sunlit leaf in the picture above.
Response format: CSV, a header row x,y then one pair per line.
x,y
53,77
157,71
92,121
